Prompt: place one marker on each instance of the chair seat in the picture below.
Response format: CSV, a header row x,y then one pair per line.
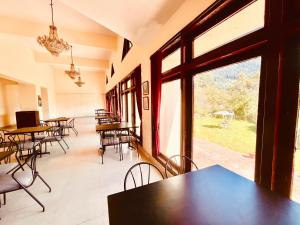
x,y
51,139
7,183
27,145
110,141
125,139
4,168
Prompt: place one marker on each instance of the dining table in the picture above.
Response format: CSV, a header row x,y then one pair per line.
x,y
32,131
209,196
57,120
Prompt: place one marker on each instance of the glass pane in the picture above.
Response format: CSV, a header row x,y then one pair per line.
x,y
247,20
129,108
137,119
171,61
170,118
225,114
124,108
129,83
296,176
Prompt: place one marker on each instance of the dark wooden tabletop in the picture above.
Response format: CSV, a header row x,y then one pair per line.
x,y
26,130
115,126
214,196
57,119
5,154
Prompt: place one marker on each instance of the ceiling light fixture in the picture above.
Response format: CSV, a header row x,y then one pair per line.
x,y
79,82
72,73
53,43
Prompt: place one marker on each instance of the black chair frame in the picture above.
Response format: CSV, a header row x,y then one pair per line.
x,y
140,164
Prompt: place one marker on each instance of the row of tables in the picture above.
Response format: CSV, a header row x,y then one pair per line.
x,y
32,131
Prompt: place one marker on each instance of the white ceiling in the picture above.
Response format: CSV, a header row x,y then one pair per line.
x,y
137,20
39,11
128,18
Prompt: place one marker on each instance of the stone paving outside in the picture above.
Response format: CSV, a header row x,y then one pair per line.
x,y
207,153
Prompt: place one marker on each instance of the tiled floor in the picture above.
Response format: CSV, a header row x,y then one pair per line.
x,y
80,184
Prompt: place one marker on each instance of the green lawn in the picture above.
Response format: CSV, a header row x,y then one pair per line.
x,y
239,136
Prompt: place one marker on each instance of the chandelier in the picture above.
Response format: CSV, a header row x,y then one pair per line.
x,y
79,82
72,73
53,43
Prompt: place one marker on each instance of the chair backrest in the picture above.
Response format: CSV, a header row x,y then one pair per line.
x,y
71,122
140,175
178,164
30,161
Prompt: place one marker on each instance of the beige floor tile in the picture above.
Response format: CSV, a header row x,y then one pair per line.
x,y
80,184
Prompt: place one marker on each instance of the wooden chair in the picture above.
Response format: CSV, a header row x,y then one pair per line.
x,y
176,165
140,174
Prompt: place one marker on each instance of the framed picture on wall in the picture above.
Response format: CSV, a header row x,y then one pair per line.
x,y
146,103
146,88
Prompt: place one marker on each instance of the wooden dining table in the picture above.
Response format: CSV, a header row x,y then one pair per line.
x,y
29,130
214,196
57,120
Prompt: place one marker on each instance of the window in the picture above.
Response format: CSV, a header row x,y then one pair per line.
x,y
170,118
225,116
126,47
130,111
222,50
112,71
296,174
247,20
171,61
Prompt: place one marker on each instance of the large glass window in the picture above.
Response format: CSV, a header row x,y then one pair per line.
x,y
225,114
171,61
247,20
170,118
129,100
137,119
296,176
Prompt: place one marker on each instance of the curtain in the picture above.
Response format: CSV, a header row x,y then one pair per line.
x,y
156,97
118,97
107,102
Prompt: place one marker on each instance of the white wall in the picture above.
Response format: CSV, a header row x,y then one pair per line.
x,y
189,10
74,101
17,64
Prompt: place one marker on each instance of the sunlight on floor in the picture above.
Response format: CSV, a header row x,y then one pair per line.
x,y
80,184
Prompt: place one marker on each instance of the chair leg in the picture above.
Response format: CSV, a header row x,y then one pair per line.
x,y
75,131
42,179
32,196
4,198
65,143
62,147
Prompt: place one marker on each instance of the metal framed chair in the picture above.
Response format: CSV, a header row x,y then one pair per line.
x,y
110,138
71,125
4,144
128,137
177,164
24,142
23,176
55,134
140,175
